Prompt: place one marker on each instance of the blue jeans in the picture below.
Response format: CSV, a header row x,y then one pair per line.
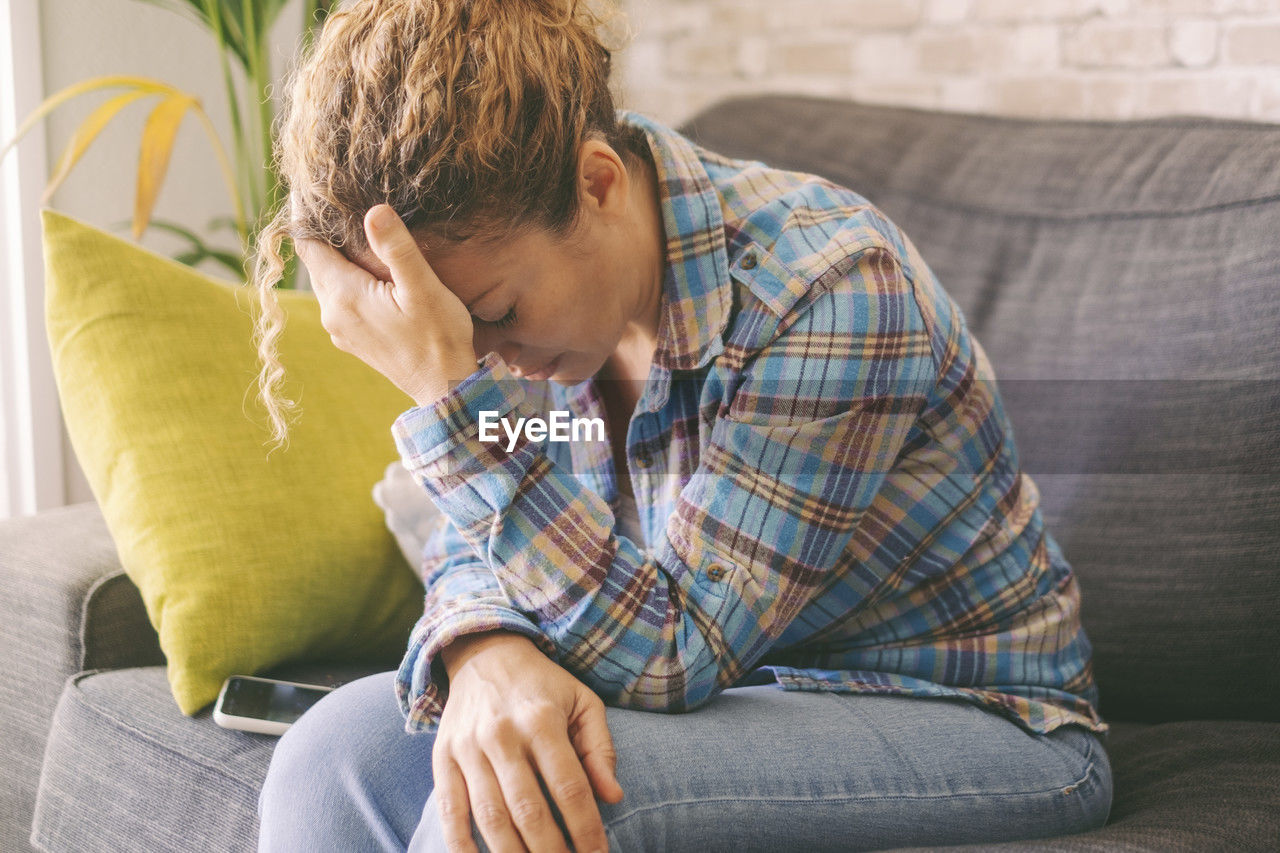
x,y
757,768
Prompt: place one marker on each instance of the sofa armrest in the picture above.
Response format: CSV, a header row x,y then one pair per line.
x,y
67,606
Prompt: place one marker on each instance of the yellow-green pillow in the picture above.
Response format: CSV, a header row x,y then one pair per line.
x,y
243,561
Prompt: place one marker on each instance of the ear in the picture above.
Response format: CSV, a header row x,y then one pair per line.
x,y
603,181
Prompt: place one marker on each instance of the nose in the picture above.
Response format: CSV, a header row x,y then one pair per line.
x,y
486,341
509,353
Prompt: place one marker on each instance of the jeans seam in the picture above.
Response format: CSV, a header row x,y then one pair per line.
x,y
845,798
1057,789
1093,779
1090,762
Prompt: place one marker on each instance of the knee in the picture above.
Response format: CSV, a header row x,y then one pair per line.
x,y
322,753
1101,797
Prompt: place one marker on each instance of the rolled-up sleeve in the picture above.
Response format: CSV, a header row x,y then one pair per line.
x,y
462,597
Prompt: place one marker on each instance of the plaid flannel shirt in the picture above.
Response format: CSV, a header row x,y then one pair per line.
x,y
821,461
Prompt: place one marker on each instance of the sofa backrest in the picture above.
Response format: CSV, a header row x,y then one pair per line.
x,y
1124,278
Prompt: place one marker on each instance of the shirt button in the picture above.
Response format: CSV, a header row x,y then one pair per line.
x,y
715,571
644,460
749,261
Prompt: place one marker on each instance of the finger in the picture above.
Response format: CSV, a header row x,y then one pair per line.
x,y
589,732
526,803
569,786
342,288
391,241
327,264
329,270
302,249
488,806
453,805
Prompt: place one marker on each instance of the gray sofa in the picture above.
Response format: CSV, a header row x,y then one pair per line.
x,y
1124,278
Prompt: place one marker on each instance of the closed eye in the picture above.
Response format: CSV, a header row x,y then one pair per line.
x,y
508,319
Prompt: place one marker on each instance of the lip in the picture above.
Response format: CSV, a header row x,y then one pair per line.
x,y
546,370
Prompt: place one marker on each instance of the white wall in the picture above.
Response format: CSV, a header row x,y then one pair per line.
x,y
31,458
1059,58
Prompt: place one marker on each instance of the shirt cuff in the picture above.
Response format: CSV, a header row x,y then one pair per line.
x,y
422,682
423,434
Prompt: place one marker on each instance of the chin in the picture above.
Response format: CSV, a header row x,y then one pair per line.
x,y
571,374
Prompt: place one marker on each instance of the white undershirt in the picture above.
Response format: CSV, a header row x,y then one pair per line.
x,y
628,517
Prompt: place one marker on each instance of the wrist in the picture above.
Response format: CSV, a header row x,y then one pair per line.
x,y
449,369
455,655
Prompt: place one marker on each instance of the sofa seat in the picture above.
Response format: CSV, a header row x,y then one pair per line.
x,y
1188,785
150,777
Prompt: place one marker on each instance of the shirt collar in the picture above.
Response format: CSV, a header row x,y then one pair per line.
x,y
697,293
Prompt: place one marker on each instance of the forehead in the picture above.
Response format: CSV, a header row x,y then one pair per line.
x,y
469,267
365,258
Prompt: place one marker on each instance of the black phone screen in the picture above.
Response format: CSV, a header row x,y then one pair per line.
x,y
280,703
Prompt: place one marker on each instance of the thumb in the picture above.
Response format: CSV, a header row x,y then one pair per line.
x,y
594,745
391,241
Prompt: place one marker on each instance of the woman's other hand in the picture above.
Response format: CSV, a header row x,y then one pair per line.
x,y
513,714
412,329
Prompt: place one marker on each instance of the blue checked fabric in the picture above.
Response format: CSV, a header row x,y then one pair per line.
x,y
821,462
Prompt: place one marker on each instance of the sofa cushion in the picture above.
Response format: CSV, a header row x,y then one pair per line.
x,y
124,770
1124,279
411,514
245,559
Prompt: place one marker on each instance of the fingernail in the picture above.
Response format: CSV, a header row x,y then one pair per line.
x,y
383,218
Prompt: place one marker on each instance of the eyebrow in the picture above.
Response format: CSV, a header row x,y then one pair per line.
x,y
476,301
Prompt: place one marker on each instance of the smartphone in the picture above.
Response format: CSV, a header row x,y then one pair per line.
x,y
264,705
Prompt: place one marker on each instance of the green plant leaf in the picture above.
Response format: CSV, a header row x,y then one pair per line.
x,y
174,228
230,19
199,250
230,260
195,257
231,38
222,223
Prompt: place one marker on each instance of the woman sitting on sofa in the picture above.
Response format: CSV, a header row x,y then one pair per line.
x,y
807,525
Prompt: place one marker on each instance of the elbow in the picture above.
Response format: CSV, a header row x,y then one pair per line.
x,y
671,679
653,692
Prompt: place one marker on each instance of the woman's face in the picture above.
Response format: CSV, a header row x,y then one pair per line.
x,y
558,309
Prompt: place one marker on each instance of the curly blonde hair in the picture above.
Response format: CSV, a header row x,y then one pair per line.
x,y
466,116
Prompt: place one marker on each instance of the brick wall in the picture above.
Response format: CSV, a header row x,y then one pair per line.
x,y
1063,58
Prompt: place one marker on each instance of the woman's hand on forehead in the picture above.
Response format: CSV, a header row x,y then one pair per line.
x,y
410,327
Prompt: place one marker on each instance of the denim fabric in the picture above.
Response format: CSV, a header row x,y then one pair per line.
x,y
757,768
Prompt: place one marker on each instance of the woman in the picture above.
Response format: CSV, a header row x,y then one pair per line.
x,y
833,534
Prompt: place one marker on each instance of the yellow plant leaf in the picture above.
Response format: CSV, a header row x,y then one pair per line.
x,y
84,136
153,157
59,98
